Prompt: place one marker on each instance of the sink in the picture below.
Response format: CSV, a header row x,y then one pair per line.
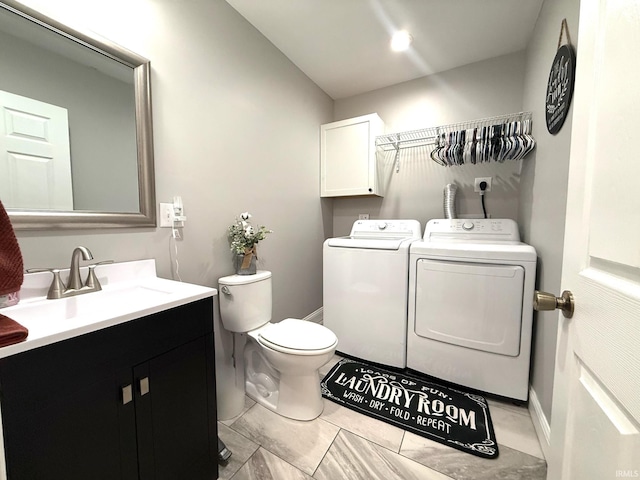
x,y
110,302
130,290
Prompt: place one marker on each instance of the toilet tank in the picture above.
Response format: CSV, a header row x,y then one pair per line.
x,y
245,301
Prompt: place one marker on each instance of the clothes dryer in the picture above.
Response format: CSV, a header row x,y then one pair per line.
x,y
365,286
471,285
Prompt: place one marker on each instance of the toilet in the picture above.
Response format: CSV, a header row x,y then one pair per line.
x,y
280,360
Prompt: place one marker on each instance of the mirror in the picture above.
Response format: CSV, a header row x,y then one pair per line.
x,y
97,170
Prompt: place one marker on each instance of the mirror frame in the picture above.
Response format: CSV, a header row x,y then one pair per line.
x,y
57,220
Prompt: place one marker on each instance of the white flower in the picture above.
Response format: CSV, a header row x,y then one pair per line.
x,y
243,236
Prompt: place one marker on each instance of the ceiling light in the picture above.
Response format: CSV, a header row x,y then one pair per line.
x,y
401,41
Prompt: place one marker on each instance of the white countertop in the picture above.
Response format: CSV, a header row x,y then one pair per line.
x,y
130,290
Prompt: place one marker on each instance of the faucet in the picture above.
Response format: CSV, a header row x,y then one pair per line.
x,y
74,270
74,286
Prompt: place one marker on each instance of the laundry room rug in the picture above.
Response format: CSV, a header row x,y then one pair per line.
x,y
442,414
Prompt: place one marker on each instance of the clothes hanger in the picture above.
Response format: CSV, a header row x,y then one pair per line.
x,y
531,143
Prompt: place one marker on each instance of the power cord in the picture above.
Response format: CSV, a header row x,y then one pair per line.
x,y
175,235
483,187
178,222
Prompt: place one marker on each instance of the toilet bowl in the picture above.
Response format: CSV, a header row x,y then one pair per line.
x,y
280,360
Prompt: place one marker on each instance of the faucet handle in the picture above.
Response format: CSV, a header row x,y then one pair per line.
x,y
103,262
40,270
57,287
92,281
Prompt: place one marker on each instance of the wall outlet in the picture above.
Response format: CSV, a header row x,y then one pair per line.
x,y
363,216
476,185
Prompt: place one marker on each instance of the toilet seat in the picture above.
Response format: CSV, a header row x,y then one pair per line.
x,y
297,337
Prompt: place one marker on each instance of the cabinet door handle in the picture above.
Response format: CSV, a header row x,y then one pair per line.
x,y
127,394
144,386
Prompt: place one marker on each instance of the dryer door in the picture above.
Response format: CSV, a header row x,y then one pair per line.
x,y
473,305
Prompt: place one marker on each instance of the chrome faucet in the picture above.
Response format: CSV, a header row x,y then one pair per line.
x,y
74,285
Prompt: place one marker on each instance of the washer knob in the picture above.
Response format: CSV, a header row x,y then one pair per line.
x,y
382,225
467,225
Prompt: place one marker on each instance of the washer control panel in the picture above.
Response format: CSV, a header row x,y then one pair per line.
x,y
386,228
467,226
500,229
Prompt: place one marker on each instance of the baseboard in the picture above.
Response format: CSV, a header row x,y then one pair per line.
x,y
540,422
315,317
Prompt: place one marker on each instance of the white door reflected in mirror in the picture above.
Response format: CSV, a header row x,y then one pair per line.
x,y
35,156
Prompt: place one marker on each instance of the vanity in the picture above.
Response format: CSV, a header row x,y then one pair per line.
x,y
115,384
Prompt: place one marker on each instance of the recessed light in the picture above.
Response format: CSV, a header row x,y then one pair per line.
x,y
401,40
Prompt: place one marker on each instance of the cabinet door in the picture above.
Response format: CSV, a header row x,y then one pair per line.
x,y
62,414
348,157
175,414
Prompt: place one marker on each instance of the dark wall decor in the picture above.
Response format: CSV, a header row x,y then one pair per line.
x,y
560,84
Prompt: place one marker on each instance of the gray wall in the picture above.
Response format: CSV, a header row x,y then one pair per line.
x,y
483,89
544,187
236,128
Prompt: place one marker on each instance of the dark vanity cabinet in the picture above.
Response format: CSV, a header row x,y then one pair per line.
x,y
132,401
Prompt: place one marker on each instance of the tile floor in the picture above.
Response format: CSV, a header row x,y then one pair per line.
x,y
343,444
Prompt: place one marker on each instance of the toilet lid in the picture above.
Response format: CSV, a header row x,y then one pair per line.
x,y
298,335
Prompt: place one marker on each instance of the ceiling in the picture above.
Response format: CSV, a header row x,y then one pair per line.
x,y
343,45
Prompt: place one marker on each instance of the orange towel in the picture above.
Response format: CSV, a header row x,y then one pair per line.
x,y
11,274
11,331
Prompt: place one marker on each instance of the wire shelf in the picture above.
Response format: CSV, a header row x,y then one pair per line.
x,y
429,136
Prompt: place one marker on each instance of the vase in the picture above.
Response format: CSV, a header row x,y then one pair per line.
x,y
249,269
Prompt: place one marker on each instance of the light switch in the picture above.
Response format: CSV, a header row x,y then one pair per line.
x,y
166,215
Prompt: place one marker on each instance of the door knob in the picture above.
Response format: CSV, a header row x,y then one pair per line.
x,y
548,301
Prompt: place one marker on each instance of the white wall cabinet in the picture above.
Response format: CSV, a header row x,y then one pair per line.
x,y
348,164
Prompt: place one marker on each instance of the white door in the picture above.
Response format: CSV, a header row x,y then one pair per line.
x,y
35,157
595,422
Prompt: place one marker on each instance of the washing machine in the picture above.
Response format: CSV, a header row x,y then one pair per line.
x,y
471,285
365,287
